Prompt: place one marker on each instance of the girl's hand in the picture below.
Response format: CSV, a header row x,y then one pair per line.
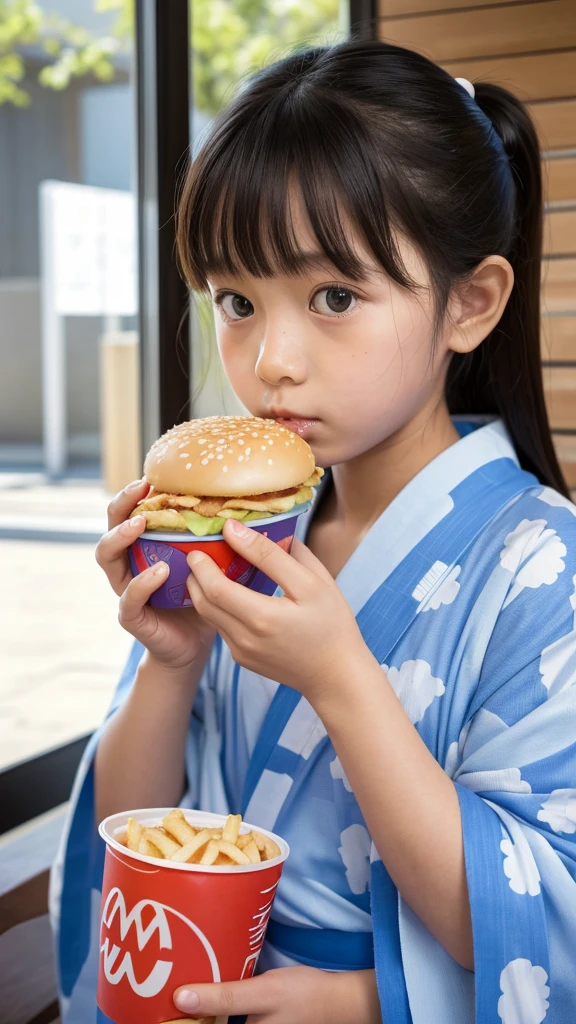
x,y
290,994
299,639
175,638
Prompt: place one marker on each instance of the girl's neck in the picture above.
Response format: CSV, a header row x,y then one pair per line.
x,y
366,485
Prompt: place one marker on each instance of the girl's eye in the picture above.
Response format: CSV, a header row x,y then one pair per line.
x,y
333,300
235,307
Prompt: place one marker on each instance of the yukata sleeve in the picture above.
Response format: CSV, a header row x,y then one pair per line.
x,y
76,877
514,766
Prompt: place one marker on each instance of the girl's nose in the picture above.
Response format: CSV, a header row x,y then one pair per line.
x,y
281,359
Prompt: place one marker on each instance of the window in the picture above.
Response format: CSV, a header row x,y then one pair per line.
x,y
68,343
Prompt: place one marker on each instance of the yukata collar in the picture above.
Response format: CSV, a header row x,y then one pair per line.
x,y
419,506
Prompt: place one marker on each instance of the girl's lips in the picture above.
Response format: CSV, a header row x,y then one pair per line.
x,y
298,426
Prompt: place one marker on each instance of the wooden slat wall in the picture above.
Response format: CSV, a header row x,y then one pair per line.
x,y
528,46
556,123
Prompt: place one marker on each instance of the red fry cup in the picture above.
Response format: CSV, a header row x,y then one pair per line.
x,y
165,924
173,548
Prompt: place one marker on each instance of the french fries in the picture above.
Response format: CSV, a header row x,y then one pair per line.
x,y
179,841
231,851
148,848
185,854
133,834
162,841
176,825
231,829
198,1020
211,852
252,852
266,846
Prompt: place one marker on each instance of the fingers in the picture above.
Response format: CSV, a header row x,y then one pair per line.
x,y
212,609
253,995
125,501
304,556
133,613
220,600
267,556
112,552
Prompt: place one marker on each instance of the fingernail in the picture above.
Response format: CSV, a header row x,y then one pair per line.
x,y
136,522
238,528
135,484
195,558
160,569
187,1000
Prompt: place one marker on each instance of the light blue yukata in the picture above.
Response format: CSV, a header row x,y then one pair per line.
x,y
465,591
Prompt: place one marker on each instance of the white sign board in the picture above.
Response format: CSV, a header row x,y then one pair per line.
x,y
90,240
88,247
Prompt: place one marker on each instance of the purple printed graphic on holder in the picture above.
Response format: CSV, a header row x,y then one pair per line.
x,y
151,548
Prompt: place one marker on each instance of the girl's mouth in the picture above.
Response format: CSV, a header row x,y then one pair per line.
x,y
302,426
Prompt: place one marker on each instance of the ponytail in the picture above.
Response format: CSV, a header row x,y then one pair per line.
x,y
504,374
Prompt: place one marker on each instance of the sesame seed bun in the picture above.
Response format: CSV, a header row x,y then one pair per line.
x,y
228,456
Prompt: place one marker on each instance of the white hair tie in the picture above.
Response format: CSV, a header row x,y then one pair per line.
x,y
466,85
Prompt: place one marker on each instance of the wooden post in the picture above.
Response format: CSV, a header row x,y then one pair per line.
x,y
121,458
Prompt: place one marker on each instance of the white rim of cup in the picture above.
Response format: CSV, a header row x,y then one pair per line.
x,y
191,538
115,824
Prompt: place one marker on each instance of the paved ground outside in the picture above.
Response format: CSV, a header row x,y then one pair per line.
x,y
61,648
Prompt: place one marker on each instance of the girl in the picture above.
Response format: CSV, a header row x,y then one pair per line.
x,y
403,709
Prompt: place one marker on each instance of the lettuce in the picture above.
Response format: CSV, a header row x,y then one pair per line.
x,y
201,526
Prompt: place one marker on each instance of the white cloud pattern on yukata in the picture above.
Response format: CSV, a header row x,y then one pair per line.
x,y
452,759
455,751
355,854
337,772
525,993
558,664
415,686
479,730
559,811
558,661
534,555
446,593
520,867
495,780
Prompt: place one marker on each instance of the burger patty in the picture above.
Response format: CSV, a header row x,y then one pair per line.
x,y
212,506
204,506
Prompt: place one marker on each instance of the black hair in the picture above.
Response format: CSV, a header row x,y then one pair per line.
x,y
390,140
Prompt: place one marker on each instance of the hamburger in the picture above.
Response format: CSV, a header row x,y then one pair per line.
x,y
206,471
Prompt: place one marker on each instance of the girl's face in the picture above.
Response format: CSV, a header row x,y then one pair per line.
x,y
349,364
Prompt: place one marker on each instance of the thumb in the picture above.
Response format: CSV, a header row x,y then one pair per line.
x,y
252,995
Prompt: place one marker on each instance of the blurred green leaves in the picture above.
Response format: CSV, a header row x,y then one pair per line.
x,y
71,51
230,39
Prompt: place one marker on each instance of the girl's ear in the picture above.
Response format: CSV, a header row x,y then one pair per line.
x,y
477,304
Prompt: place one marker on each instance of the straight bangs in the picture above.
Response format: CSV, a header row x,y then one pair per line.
x,y
305,148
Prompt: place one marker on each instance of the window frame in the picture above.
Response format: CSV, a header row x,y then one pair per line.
x,y
162,49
